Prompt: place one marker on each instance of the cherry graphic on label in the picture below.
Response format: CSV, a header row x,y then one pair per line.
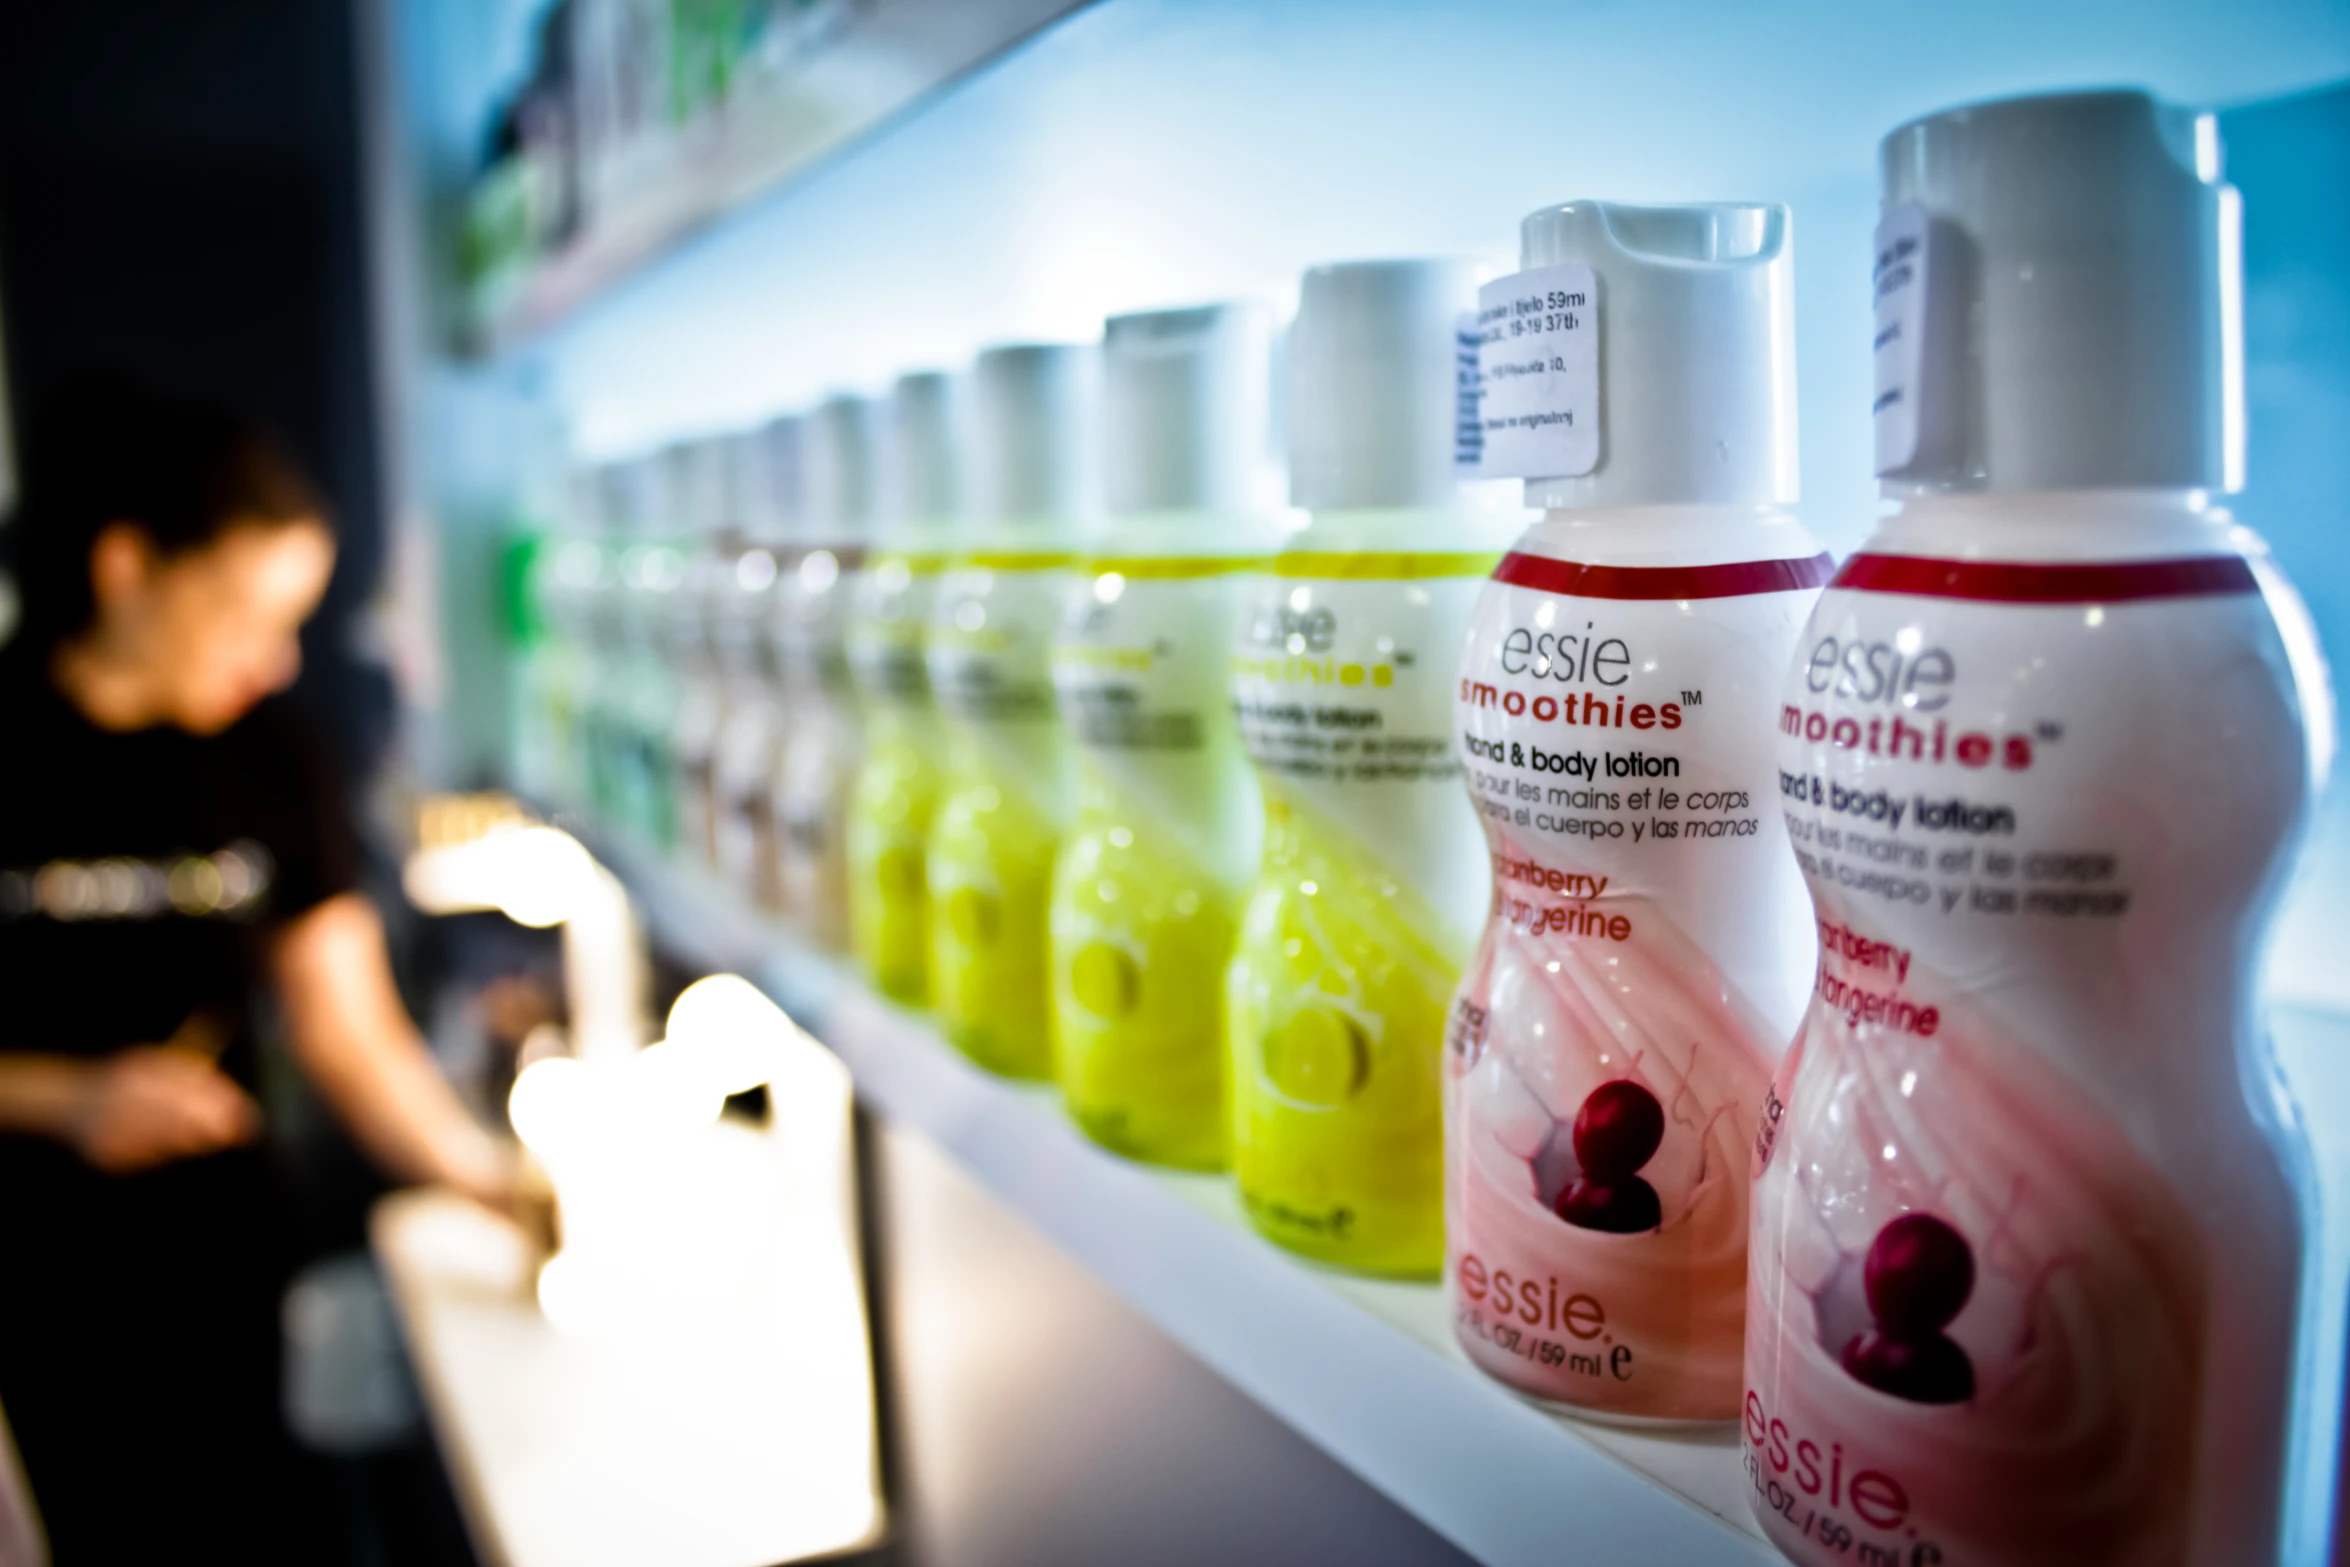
x,y
1918,1275
1616,1132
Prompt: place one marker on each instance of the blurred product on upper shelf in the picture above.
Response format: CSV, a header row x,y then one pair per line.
x,y
897,787
1649,946
2029,1212
1009,790
622,103
818,757
1170,825
637,120
1373,880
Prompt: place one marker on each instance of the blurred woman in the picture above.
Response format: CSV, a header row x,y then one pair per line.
x,y
172,843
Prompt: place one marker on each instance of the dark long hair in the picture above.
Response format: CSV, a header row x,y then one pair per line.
x,y
105,449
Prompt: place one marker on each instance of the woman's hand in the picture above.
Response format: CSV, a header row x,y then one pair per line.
x,y
156,1103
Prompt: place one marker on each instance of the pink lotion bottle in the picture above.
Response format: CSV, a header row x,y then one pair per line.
x,y
2028,1213
1645,954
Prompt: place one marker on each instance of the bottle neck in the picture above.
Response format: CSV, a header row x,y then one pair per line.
x,y
2057,525
1682,535
1402,529
1029,533
920,535
1183,535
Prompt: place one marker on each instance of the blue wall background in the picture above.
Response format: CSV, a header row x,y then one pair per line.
x,y
2292,160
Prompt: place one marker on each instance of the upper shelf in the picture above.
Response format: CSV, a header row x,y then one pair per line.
x,y
647,137
1368,1370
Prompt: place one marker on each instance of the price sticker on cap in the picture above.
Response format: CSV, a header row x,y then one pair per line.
x,y
1538,368
1899,281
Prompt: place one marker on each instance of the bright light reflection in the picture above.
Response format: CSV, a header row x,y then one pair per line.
x,y
755,571
649,1229
535,876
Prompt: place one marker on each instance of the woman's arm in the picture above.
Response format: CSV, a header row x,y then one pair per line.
x,y
43,1095
132,1110
356,1042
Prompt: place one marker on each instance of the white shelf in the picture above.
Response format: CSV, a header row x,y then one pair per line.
x,y
1366,1370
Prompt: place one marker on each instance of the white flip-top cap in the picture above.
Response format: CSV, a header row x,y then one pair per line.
x,y
922,480
1696,351
583,499
769,479
842,465
1183,407
636,495
1374,395
699,485
2081,311
746,455
677,517
1032,432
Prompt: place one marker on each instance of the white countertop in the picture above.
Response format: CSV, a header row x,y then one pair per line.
x,y
725,1422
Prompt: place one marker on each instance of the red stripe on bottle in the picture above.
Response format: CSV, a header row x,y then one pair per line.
x,y
1736,579
2009,582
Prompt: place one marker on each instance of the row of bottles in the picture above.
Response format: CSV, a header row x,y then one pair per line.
x,y
1806,995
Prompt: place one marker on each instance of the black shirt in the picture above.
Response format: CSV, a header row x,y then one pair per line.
x,y
141,876
141,872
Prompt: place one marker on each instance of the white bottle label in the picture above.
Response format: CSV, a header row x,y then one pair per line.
x,y
1538,362
1900,279
1645,955
888,624
1343,689
1142,673
2023,1259
744,786
990,663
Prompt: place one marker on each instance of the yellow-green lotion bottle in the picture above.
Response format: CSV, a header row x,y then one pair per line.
x,y
1373,884
1147,894
1009,789
896,794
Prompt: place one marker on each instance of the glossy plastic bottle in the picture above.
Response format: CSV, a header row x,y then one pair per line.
x,y
642,706
701,480
1373,882
1147,893
563,580
896,792
597,714
822,743
1646,954
2027,1231
767,495
1009,790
